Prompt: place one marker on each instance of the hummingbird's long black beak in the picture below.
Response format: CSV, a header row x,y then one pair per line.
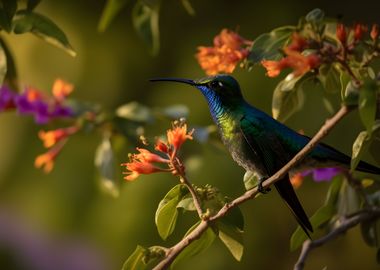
x,y
186,81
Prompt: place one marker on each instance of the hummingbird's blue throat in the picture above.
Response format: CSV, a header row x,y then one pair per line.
x,y
216,109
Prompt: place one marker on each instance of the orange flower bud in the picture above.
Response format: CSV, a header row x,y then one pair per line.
x,y
50,138
161,146
374,31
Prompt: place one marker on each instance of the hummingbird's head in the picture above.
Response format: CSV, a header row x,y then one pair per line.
x,y
223,88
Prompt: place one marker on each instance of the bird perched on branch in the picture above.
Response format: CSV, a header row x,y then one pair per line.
x,y
261,144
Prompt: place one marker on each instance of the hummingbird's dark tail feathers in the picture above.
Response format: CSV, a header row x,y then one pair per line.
x,y
287,193
368,168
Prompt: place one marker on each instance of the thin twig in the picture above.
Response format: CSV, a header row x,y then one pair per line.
x,y
196,200
175,250
176,163
348,223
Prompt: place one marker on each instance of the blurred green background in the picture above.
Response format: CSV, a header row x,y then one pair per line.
x,y
66,208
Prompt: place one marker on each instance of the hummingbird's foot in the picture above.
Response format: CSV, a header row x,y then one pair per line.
x,y
261,188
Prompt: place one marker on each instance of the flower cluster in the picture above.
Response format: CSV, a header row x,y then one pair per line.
x,y
54,140
145,161
318,174
228,50
294,59
44,108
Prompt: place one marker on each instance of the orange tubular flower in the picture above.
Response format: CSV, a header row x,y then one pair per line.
x,y
374,32
46,160
50,138
178,135
136,168
61,89
147,156
296,180
229,49
300,63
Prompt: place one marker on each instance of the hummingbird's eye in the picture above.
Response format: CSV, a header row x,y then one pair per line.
x,y
216,84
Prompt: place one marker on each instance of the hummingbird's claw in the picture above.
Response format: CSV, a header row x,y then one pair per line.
x,y
261,188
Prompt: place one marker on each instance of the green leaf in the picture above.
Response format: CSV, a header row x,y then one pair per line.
x,y
197,246
358,148
145,20
344,79
348,201
320,217
235,218
189,8
31,4
105,162
143,258
315,16
135,261
232,237
11,72
3,64
42,27
167,212
367,104
288,98
351,95
7,11
250,180
375,142
333,192
187,204
370,232
267,46
136,112
329,76
110,11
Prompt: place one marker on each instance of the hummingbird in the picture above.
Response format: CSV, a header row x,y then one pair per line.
x,y
261,144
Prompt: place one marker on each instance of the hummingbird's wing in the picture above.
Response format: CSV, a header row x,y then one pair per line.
x,y
268,147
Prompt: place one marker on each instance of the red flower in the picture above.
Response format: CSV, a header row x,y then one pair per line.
x,y
178,135
299,43
341,33
229,49
359,30
161,146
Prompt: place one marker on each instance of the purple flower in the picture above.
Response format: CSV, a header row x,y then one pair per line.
x,y
322,174
41,107
7,98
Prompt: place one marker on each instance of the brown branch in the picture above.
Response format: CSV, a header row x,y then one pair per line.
x,y
175,250
346,224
